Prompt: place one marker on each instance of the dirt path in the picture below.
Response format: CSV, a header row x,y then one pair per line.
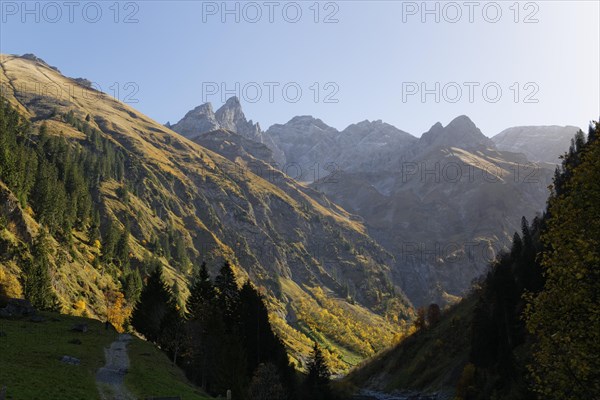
x,y
366,394
109,378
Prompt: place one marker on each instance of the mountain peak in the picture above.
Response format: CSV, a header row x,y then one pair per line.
x,y
233,101
231,109
305,121
377,131
231,117
205,108
460,132
196,121
462,123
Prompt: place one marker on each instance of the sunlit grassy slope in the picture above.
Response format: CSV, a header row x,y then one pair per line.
x,y
430,360
270,233
30,366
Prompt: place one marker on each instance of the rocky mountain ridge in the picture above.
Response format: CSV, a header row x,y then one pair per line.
x,y
538,143
429,201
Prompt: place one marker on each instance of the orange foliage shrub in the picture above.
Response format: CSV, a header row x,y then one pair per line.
x,y
117,311
79,307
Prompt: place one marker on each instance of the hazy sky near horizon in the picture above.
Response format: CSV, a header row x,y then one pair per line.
x,y
502,63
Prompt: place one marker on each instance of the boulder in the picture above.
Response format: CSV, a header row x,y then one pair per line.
x,y
17,308
70,360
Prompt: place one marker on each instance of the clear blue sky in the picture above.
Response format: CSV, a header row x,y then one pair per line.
x,y
370,56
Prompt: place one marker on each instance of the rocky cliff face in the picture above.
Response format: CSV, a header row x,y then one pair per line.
x,y
443,204
313,150
228,117
200,119
538,143
447,206
231,117
372,145
308,145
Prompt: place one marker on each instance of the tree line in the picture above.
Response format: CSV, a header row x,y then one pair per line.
x,y
223,339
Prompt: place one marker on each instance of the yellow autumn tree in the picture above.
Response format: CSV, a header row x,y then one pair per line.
x,y
117,312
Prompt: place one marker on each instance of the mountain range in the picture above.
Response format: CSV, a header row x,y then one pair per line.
x,y
443,204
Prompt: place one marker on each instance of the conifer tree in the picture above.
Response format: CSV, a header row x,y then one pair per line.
x,y
228,296
204,328
37,286
132,285
111,237
317,380
256,330
260,342
179,252
202,294
94,230
172,330
152,307
517,245
122,247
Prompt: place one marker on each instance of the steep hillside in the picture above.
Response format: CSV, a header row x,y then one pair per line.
x,y
185,204
444,207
